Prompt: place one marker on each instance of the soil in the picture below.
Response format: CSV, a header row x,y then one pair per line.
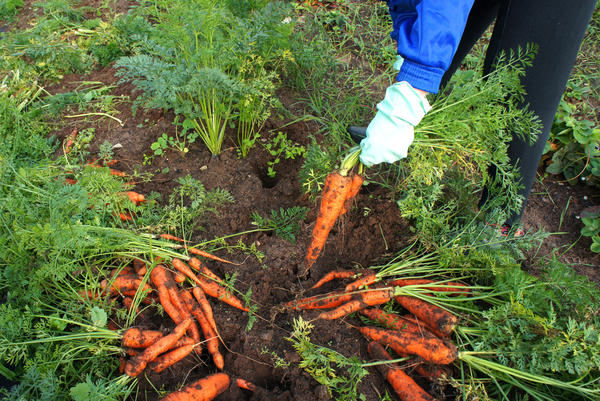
x,y
359,239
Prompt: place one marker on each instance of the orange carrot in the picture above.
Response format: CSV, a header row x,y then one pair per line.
x,y
205,254
212,341
332,275
368,279
125,216
157,277
110,163
128,303
423,326
70,181
433,316
117,172
135,197
406,388
139,266
138,363
210,287
138,338
245,384
391,320
358,302
178,277
205,306
428,347
204,389
326,301
70,140
335,190
449,286
123,283
170,358
201,267
171,237
355,185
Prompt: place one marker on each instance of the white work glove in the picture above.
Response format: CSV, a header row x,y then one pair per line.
x,y
391,131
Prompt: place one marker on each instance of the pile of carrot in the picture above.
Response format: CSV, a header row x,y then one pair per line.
x,y
422,334
187,306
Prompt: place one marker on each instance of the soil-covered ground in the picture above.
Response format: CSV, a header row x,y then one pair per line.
x,y
370,230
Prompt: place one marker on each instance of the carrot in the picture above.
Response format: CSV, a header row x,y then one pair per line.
x,y
135,197
326,301
390,320
406,388
125,271
138,363
358,302
355,185
205,254
205,306
182,342
201,267
170,358
70,140
125,216
423,326
428,347
163,293
122,362
70,181
204,389
110,163
335,191
212,342
449,286
128,303
139,266
210,287
433,316
138,338
118,173
178,277
368,279
171,237
245,384
332,275
123,283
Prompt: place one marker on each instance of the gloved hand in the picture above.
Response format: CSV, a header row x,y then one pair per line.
x,y
391,131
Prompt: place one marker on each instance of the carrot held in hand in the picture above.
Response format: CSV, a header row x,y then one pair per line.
x,y
355,185
335,193
428,347
359,301
138,363
406,388
205,389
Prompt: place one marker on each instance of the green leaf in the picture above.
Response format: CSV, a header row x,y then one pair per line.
x,y
98,316
81,392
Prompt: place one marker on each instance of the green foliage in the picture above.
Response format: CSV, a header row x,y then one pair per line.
x,y
577,155
279,147
338,373
285,223
9,8
211,66
591,227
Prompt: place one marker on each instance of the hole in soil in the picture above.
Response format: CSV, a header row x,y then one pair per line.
x,y
267,181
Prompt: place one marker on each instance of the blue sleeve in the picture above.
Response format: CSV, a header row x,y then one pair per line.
x,y
428,33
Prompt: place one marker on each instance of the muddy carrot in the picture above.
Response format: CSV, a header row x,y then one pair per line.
x,y
428,347
123,283
355,185
128,303
358,302
70,181
170,358
433,316
423,326
163,293
178,277
335,191
117,172
325,301
368,279
245,384
205,306
204,389
333,275
208,255
70,140
406,388
135,197
138,338
390,320
202,268
212,342
138,363
139,266
449,286
125,216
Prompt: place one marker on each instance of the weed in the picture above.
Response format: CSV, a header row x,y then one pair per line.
x,y
277,360
279,147
285,222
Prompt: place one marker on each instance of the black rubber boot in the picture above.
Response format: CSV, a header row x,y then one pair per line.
x,y
357,133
